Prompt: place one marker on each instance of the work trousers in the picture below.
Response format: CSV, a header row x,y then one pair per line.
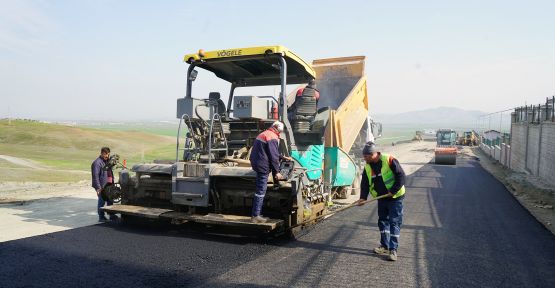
x,y
100,204
390,218
261,187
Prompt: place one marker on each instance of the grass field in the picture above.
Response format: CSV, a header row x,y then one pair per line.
x,y
67,152
163,128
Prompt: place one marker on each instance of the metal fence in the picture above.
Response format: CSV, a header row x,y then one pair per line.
x,y
498,121
535,113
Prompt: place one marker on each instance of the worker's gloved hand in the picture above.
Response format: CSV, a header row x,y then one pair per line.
x,y
279,177
287,158
98,191
389,194
360,202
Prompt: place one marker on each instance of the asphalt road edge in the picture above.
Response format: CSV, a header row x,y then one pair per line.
x,y
536,212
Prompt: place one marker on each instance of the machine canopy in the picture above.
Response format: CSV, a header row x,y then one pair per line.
x,y
255,66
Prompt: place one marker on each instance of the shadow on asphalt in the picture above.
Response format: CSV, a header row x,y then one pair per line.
x,y
51,266
196,231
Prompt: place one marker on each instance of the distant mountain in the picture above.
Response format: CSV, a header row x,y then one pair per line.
x,y
441,117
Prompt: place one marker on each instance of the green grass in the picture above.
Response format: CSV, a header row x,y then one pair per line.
x,y
72,148
155,128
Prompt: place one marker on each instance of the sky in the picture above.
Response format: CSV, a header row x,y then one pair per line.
x,y
123,60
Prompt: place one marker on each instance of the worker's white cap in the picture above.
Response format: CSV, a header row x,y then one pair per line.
x,y
278,126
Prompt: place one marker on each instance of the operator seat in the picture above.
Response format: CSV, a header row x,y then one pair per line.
x,y
305,109
220,106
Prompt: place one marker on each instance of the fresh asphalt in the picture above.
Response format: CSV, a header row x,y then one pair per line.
x,y
461,228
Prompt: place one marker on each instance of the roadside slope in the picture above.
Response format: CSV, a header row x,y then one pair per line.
x,y
35,151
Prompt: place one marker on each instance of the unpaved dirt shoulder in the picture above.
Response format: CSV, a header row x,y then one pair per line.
x,y
23,162
21,192
533,194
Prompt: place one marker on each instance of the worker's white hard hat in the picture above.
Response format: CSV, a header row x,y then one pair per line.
x,y
278,126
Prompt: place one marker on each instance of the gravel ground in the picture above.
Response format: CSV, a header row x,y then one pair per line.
x,y
18,192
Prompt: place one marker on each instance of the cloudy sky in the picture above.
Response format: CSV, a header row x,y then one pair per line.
x,y
122,60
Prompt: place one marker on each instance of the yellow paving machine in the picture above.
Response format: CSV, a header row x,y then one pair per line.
x,y
210,180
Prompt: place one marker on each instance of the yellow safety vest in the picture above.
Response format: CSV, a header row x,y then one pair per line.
x,y
386,174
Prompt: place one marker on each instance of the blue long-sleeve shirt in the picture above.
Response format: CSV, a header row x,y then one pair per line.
x,y
99,174
379,185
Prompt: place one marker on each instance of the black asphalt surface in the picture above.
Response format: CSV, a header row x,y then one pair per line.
x,y
461,229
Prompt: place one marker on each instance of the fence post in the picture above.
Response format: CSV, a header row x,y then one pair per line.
x,y
500,121
540,136
546,108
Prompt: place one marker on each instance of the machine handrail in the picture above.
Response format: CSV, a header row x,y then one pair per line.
x,y
189,127
219,118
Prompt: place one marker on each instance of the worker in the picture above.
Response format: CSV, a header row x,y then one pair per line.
x,y
384,176
309,90
101,175
306,102
264,159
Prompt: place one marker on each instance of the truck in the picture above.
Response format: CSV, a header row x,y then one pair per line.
x,y
210,180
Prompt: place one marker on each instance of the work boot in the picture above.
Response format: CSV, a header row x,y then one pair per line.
x,y
381,250
102,219
393,255
259,219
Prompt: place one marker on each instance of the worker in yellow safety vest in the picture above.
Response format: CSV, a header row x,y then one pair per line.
x,y
384,176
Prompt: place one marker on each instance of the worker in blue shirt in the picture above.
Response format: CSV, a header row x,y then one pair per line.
x,y
102,175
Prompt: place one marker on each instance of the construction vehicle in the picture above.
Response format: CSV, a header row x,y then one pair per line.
x,y
342,87
211,180
469,138
446,149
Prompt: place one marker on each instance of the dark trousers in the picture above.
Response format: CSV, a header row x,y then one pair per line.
x,y
390,218
258,200
100,204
